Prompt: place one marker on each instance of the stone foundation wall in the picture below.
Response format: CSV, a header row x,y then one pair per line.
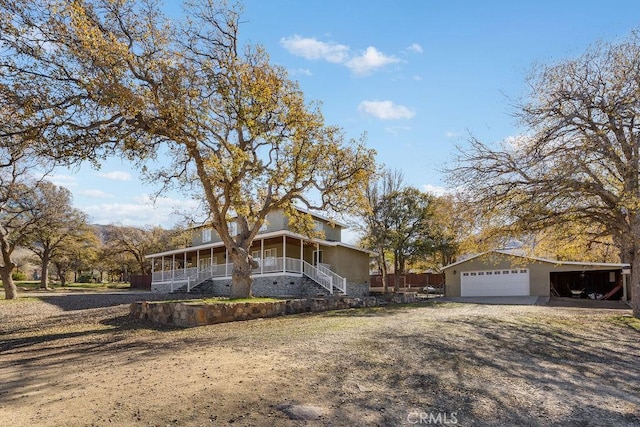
x,y
199,314
266,286
358,290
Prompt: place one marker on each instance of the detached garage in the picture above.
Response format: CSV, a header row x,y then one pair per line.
x,y
501,273
486,283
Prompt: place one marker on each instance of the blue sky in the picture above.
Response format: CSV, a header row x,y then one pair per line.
x,y
416,75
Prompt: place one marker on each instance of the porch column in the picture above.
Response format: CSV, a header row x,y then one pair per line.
x,y
301,255
262,256
173,267
317,260
162,278
226,262
211,262
624,286
198,261
284,253
185,264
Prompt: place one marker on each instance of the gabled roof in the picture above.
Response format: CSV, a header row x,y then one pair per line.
x,y
545,260
316,215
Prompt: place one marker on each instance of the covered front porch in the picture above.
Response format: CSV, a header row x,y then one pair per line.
x,y
275,256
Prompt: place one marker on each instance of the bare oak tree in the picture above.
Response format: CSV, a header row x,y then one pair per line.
x,y
578,163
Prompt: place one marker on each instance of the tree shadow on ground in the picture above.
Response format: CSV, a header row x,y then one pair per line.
x,y
72,302
588,303
494,372
380,311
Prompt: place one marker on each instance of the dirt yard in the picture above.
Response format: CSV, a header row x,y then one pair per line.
x,y
78,360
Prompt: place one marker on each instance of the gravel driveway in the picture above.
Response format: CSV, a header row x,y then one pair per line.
x,y
80,360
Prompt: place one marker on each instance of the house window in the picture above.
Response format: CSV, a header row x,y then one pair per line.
x,y
206,235
233,229
318,225
317,257
256,256
265,224
270,256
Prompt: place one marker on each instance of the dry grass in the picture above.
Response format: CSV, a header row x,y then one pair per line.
x,y
82,364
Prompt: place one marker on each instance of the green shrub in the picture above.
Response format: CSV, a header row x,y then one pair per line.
x,y
86,278
18,276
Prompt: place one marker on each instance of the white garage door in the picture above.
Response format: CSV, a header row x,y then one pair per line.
x,y
493,283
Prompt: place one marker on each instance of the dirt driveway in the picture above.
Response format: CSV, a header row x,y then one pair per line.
x,y
76,362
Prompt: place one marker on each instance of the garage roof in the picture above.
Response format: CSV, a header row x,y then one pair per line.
x,y
550,261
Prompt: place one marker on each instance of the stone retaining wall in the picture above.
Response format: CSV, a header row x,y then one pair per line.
x,y
200,313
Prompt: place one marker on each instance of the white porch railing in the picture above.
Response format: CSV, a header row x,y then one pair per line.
x,y
336,280
193,276
318,276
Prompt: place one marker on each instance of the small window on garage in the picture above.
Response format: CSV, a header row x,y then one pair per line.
x,y
496,272
473,274
465,274
489,273
505,272
514,271
523,271
481,273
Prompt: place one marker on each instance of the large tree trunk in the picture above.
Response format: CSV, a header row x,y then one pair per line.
x,y
44,279
396,273
10,289
382,262
635,283
241,279
630,253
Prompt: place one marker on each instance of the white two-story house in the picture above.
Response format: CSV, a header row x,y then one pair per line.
x,y
289,264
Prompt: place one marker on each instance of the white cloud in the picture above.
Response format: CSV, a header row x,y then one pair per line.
x,y
116,175
96,194
417,78
385,110
311,48
435,190
415,47
451,134
370,60
63,180
142,211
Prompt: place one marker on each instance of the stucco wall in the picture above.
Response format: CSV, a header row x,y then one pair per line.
x,y
539,272
275,221
349,263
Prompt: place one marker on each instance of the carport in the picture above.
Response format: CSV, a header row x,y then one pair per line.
x,y
593,284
